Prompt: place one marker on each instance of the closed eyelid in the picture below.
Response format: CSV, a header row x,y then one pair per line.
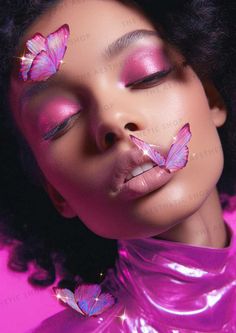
x,y
144,61
32,91
124,42
56,112
112,50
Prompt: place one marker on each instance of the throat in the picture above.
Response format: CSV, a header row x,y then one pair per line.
x,y
206,227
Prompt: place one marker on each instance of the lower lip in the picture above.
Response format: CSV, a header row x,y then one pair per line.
x,y
145,183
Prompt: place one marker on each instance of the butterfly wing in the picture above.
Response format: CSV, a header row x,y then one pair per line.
x,y
91,301
36,44
45,55
67,297
56,44
178,153
26,63
85,296
42,67
155,156
105,300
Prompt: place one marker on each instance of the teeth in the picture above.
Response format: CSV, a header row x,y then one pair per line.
x,y
140,169
147,166
137,171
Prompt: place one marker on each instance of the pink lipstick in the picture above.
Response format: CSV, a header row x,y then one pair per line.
x,y
144,183
134,177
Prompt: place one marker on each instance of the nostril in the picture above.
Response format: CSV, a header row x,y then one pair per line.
x,y
110,138
131,127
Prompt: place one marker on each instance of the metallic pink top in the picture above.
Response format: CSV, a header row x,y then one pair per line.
x,y
164,287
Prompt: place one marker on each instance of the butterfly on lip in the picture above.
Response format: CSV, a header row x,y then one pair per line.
x,y
177,156
45,55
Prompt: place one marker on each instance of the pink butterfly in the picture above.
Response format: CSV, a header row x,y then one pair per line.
x,y
87,299
177,155
45,55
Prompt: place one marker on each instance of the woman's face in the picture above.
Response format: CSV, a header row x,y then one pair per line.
x,y
97,101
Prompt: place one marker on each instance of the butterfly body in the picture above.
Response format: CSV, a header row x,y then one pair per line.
x,y
45,55
177,155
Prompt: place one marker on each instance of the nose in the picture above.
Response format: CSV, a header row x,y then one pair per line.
x,y
113,120
108,135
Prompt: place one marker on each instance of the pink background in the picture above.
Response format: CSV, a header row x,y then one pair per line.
x,y
23,307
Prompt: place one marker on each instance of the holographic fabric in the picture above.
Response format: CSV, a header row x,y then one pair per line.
x,y
163,287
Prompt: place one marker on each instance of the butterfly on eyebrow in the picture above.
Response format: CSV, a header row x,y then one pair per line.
x,y
45,55
177,155
87,299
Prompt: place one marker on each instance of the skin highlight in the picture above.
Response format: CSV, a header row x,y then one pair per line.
x,y
79,164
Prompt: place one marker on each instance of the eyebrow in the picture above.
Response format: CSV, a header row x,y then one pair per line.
x,y
126,40
34,90
114,49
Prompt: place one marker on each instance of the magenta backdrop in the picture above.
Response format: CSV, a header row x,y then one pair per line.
x,y
21,306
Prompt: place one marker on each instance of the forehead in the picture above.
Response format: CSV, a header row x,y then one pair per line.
x,y
94,24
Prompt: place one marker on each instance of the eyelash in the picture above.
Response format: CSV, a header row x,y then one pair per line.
x,y
55,131
144,83
150,80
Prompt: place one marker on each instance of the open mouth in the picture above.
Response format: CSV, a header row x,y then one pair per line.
x,y
139,170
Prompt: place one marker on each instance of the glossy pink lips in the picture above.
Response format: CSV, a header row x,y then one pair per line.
x,y
144,183
159,175
177,155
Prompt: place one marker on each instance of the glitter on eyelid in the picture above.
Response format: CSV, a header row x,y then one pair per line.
x,y
55,112
142,62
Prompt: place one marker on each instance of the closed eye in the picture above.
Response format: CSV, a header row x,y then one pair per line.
x,y
150,80
61,128
143,83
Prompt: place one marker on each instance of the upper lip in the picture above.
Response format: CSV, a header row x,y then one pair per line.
x,y
127,161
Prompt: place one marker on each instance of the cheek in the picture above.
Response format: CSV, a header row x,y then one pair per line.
x,y
191,185
206,153
69,169
173,104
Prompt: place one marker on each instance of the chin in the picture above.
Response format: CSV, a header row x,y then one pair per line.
x,y
164,208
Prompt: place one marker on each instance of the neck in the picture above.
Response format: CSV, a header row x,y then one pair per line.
x,y
205,227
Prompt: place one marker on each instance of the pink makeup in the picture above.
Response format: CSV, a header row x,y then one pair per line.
x,y
143,171
54,113
145,183
144,61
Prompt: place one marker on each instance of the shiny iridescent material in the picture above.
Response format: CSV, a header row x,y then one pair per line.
x,y
164,287
178,287
87,299
177,156
44,55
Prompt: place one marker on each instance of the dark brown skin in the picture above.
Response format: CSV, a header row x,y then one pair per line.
x,y
78,166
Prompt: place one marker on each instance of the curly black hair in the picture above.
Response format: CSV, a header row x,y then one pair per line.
x,y
204,33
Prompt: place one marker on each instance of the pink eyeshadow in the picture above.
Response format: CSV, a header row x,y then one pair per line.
x,y
143,62
55,112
